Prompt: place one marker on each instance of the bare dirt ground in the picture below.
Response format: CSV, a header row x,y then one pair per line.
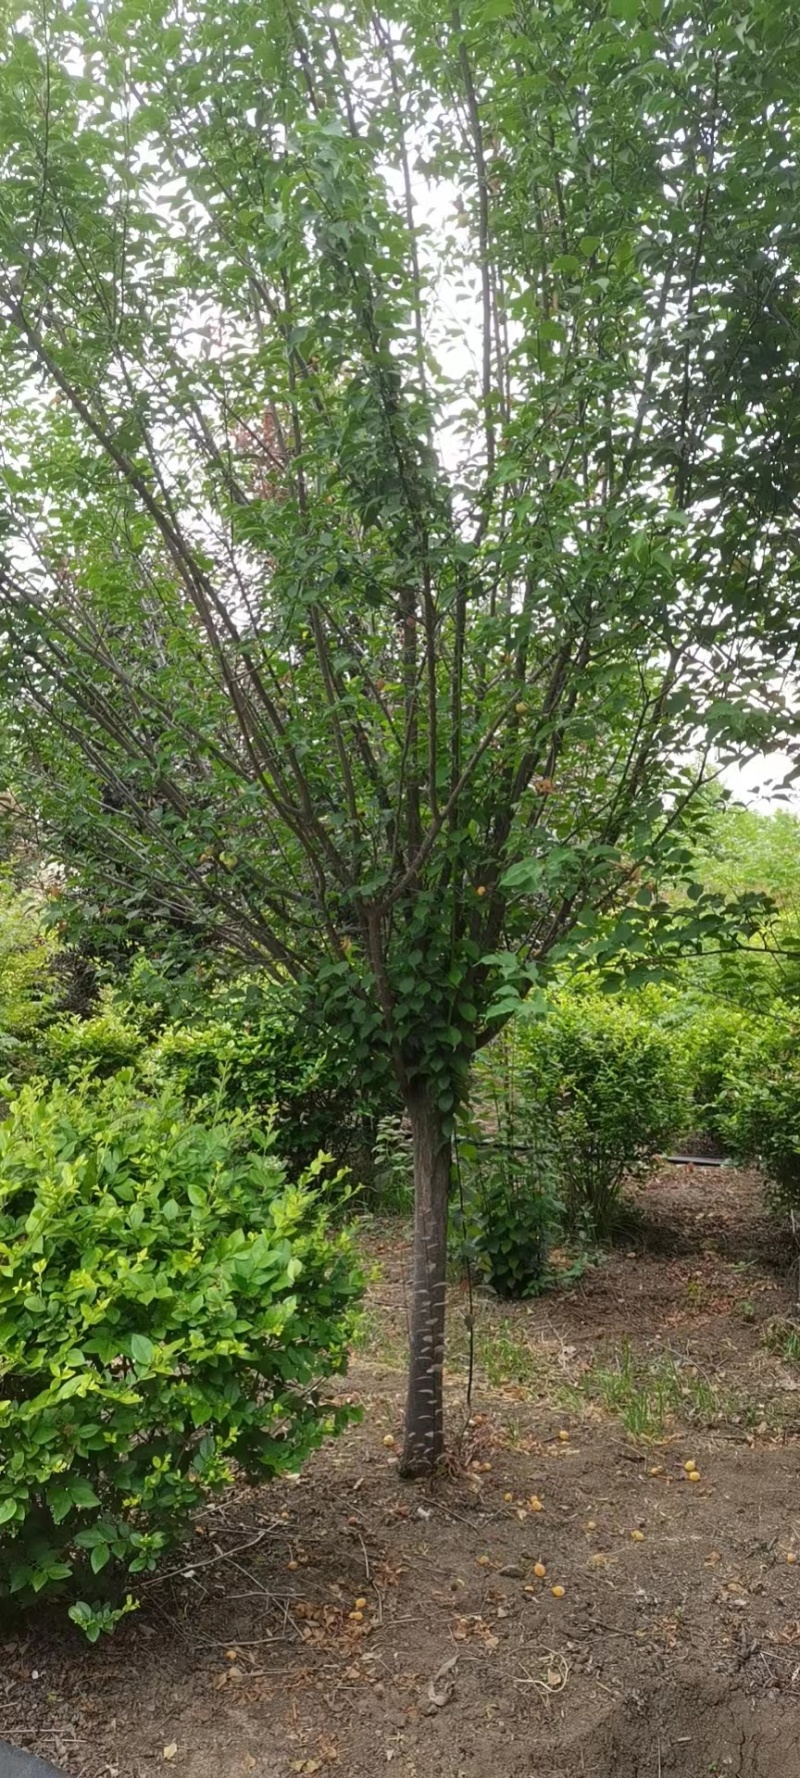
x,y
348,1622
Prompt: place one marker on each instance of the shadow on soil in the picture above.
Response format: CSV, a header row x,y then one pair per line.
x,y
688,1732
687,1210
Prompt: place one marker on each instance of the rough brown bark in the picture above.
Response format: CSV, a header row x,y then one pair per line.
x,y
424,1429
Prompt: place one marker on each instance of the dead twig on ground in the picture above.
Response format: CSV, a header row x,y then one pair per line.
x,y
557,1672
188,1568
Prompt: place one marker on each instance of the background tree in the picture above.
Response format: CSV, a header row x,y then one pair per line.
x,y
400,427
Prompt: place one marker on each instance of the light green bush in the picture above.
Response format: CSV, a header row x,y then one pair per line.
x,y
759,1106
256,1050
611,1082
110,1039
170,1306
26,953
708,1042
245,1043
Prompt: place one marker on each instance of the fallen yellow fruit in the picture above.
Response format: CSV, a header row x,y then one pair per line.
x,y
564,1435
638,1536
557,1592
388,1442
791,1557
689,1465
360,1604
694,1475
539,1570
535,1504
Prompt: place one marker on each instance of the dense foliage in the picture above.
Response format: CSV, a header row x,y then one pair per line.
x,y
248,1044
510,1207
388,651
757,1112
708,1035
109,1039
27,987
170,1306
609,1082
255,1048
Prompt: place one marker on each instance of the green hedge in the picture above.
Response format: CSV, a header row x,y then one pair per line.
x,y
759,1106
246,1045
611,1082
708,1042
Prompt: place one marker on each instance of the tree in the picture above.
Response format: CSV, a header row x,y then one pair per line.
x,y
387,646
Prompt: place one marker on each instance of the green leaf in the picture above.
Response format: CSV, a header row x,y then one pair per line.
x,y
552,330
504,1006
142,1350
59,1571
60,1502
82,1492
526,875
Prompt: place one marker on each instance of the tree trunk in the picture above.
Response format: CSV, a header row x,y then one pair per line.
x,y
424,1431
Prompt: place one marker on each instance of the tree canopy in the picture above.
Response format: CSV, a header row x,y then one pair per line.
x,y
400,458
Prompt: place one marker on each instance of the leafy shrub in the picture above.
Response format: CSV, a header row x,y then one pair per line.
x,y
611,1083
110,1039
392,1184
169,992
169,1304
759,1107
515,1193
244,1042
708,1042
259,1053
26,987
512,1177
